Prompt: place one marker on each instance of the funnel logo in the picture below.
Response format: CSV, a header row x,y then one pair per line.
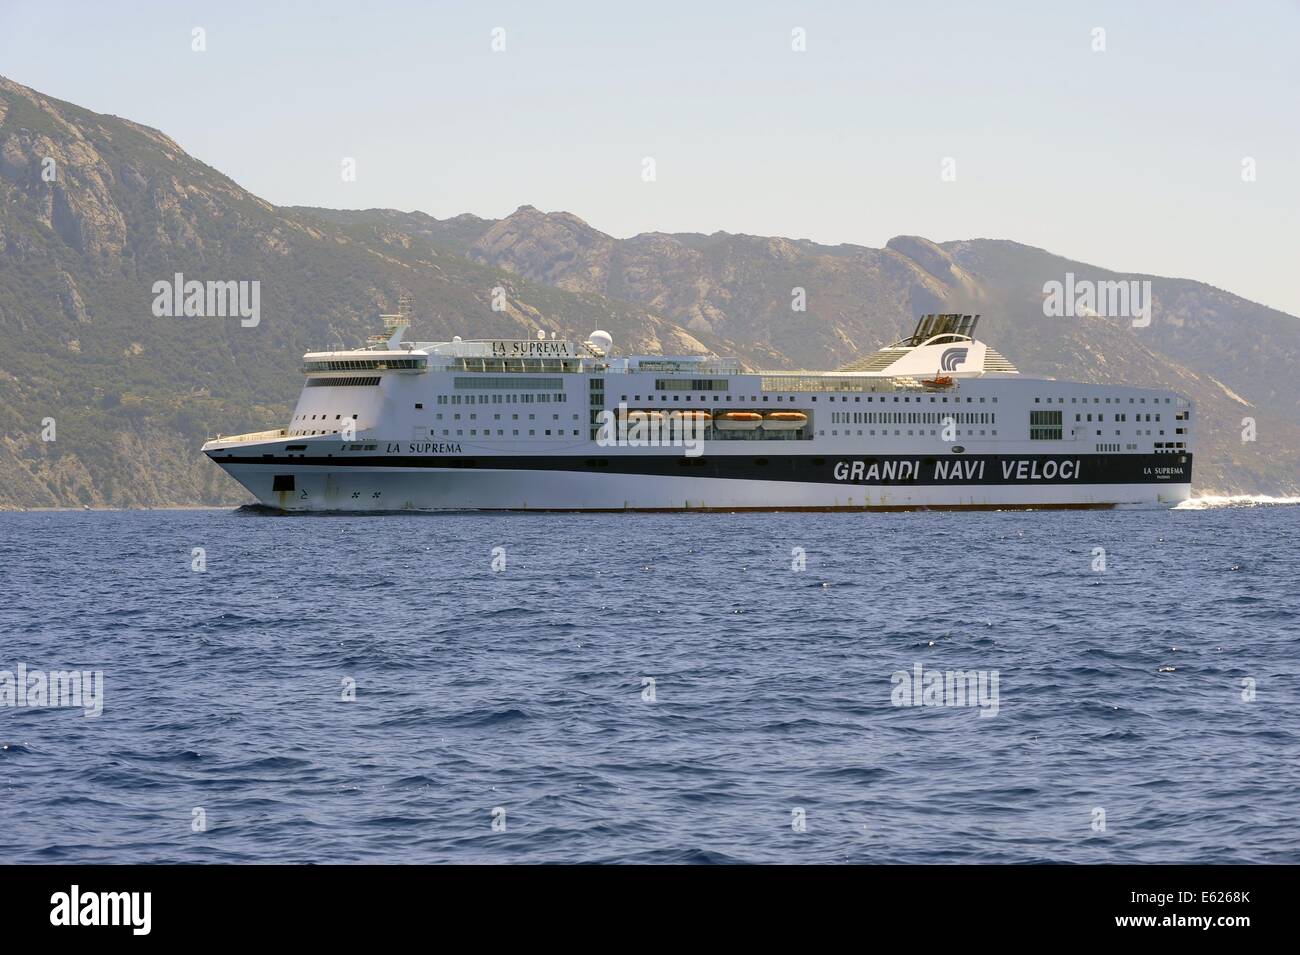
x,y
952,357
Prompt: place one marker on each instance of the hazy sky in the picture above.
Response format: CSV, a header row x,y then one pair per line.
x,y
1129,158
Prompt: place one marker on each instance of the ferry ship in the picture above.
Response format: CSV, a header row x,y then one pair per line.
x,y
938,420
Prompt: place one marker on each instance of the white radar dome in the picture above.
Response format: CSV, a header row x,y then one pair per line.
x,y
601,341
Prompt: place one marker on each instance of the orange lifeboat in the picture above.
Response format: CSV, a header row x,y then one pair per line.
x,y
937,383
784,420
645,417
737,420
690,416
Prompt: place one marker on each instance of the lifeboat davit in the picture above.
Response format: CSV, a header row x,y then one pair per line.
x,y
737,420
784,420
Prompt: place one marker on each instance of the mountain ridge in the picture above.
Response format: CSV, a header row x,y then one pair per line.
x,y
133,395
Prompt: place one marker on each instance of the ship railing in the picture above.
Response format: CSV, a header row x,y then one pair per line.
x,y
722,366
809,381
254,436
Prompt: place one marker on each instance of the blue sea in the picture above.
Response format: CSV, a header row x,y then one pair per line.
x,y
654,688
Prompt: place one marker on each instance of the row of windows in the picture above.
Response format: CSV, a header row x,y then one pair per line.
x,y
487,433
541,399
522,384
366,364
343,382
1097,401
913,417
664,385
689,384
722,384
844,398
823,383
884,433
535,365
497,417
1047,426
1118,417
304,417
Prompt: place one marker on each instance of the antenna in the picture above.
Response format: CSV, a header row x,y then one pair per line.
x,y
395,325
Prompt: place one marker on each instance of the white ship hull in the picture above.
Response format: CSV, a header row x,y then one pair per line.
x,y
326,489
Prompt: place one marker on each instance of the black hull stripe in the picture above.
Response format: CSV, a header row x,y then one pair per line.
x,y
768,509
846,469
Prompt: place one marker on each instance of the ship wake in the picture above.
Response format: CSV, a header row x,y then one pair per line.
x,y
1212,501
